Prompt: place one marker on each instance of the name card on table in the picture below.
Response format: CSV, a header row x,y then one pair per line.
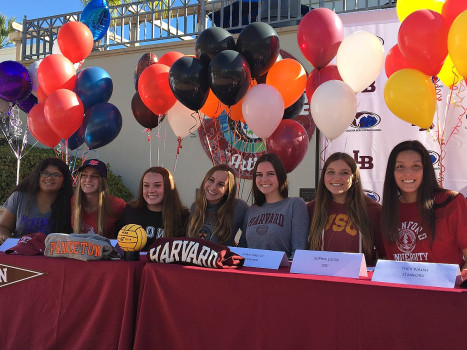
x,y
265,259
336,264
9,243
417,273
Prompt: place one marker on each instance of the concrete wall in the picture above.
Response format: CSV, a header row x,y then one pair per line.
x,y
128,154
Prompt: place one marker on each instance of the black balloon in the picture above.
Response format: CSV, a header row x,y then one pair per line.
x,y
143,114
188,79
229,77
211,41
145,61
258,42
295,109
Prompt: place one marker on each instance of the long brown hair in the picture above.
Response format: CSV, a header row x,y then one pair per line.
x,y
281,174
223,228
103,205
173,211
425,194
355,207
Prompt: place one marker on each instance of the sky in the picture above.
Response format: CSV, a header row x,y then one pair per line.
x,y
38,8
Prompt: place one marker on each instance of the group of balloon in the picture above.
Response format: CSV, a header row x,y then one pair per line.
x,y
63,102
246,78
432,41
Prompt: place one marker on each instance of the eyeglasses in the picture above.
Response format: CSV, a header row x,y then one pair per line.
x,y
46,174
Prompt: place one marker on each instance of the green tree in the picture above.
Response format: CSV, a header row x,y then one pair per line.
x,y
5,29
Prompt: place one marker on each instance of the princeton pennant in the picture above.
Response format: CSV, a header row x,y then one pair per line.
x,y
13,274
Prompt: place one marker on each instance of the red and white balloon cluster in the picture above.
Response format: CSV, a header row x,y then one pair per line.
x,y
331,89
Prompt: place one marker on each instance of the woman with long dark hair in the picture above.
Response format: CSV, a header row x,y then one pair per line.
x,y
157,208
420,220
275,221
41,203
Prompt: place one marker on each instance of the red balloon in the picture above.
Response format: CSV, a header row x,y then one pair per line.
x,y
319,76
319,35
289,142
395,61
39,128
64,112
41,95
154,89
422,39
56,72
453,8
75,41
170,57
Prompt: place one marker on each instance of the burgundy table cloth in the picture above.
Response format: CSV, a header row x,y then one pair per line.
x,y
75,305
183,307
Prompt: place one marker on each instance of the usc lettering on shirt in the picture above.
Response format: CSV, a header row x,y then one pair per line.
x,y
339,223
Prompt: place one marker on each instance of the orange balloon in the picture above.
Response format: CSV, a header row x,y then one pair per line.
x,y
170,57
236,111
56,72
39,128
154,88
289,78
213,107
75,41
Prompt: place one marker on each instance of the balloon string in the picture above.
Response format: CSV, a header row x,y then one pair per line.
x,y
179,139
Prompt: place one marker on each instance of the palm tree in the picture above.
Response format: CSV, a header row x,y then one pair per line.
x,y
5,29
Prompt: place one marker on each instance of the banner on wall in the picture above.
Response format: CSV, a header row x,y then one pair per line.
x,y
375,130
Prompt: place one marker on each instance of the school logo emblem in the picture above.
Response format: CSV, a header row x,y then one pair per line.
x,y
434,157
365,120
407,240
373,195
13,274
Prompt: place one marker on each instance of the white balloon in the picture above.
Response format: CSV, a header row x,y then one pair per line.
x,y
183,120
56,49
333,107
33,74
360,58
263,108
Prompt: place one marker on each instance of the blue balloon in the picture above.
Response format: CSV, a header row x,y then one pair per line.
x,y
15,82
104,125
93,85
77,139
96,16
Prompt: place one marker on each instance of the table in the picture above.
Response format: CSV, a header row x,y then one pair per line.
x,y
76,305
183,307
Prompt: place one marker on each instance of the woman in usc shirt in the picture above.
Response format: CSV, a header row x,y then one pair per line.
x,y
157,208
420,220
217,214
343,217
94,210
275,221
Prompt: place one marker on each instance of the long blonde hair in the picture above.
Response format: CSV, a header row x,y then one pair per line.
x,y
223,228
356,207
103,207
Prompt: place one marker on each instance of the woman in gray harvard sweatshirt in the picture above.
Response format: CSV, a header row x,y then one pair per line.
x,y
274,221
